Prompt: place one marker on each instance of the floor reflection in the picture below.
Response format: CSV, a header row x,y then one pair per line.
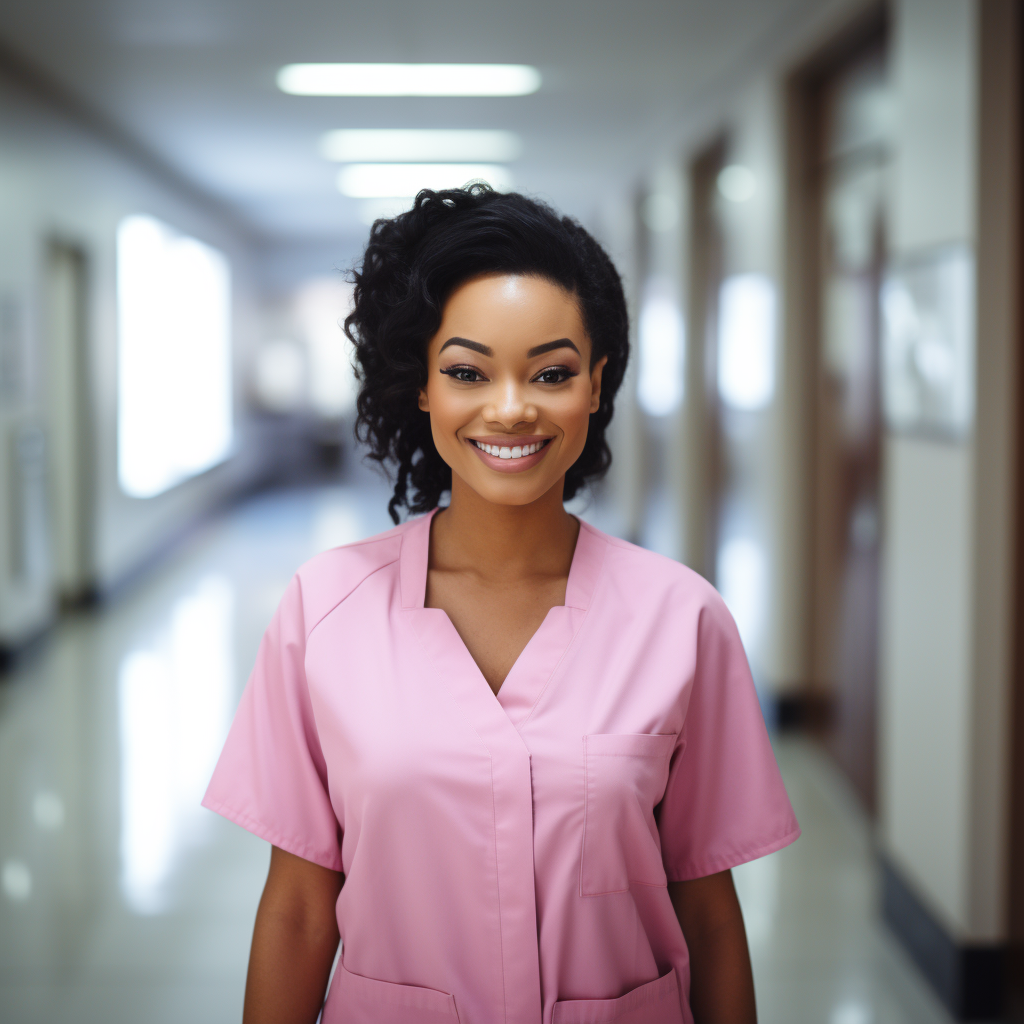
x,y
819,950
175,705
121,900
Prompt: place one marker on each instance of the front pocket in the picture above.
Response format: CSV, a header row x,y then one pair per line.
x,y
625,778
657,1002
355,999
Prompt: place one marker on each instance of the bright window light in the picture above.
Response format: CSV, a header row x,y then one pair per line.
x,y
737,183
174,357
419,144
741,575
385,181
319,307
746,341
662,339
408,79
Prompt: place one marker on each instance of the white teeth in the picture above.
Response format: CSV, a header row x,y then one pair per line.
x,y
506,452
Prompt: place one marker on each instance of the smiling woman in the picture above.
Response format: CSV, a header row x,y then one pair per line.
x,y
506,759
509,405
416,262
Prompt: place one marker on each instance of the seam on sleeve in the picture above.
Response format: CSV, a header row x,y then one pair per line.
x,y
275,837
724,861
344,597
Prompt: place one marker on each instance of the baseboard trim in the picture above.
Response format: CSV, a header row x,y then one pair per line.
x,y
802,710
13,656
969,979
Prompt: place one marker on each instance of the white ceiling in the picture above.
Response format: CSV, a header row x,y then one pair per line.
x,y
194,83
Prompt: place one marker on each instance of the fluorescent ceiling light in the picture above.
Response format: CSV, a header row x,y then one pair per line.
x,y
408,79
420,144
384,181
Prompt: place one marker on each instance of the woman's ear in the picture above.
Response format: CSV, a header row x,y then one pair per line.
x,y
595,384
422,400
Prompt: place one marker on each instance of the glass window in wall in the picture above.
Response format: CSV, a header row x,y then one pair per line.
x,y
175,411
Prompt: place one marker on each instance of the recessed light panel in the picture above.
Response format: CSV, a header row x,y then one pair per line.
x,y
408,79
419,145
385,181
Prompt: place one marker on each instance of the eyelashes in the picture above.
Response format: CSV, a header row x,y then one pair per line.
x,y
471,375
562,373
465,374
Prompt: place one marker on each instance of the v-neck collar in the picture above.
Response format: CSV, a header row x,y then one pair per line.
x,y
545,650
415,561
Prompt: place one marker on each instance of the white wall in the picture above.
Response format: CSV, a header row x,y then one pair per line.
x,y
925,668
616,229
945,667
59,179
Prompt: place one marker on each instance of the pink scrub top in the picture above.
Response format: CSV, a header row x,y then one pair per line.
x,y
506,857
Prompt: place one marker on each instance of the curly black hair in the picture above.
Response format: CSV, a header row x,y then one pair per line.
x,y
412,264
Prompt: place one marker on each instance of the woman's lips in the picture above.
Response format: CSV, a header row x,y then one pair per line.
x,y
510,463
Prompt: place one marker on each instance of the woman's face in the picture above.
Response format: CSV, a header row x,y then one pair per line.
x,y
509,386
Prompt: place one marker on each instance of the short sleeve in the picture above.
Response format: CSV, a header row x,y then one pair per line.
x,y
725,802
271,777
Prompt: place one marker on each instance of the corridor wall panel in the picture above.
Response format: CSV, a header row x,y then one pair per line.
x,y
930,495
62,179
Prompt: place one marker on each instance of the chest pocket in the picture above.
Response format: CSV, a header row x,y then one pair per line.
x,y
625,779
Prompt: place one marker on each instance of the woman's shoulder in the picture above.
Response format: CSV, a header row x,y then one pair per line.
x,y
642,584
649,577
328,578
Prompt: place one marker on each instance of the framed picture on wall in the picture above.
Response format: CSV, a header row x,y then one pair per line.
x,y
927,307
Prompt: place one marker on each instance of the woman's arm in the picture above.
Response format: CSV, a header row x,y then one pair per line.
x,y
721,981
293,943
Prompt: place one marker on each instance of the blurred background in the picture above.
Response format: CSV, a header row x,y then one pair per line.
x,y
815,205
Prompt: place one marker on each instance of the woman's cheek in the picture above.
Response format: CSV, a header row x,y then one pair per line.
x,y
574,412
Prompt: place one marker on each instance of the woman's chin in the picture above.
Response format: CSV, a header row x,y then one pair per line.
x,y
507,488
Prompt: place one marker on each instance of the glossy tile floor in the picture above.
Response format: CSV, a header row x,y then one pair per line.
x,y
122,900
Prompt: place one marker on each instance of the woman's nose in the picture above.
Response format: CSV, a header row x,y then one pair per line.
x,y
510,405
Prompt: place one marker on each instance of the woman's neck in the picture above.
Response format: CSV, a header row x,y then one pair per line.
x,y
503,542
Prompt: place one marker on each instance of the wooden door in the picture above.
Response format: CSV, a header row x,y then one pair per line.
x,y
850,176
69,462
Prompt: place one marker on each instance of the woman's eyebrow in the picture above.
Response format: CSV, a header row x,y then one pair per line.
x,y
550,346
466,343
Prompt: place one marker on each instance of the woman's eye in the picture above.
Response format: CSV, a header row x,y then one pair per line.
x,y
465,374
554,375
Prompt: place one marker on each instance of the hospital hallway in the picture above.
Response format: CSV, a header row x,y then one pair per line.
x,y
126,901
816,210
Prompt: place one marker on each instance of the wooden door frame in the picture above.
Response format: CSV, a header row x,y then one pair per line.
x,y
703,432
83,590
807,704
1007,19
